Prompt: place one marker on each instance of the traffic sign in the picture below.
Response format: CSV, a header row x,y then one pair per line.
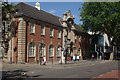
x,y
64,45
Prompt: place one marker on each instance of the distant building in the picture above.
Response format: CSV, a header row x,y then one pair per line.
x,y
102,44
39,33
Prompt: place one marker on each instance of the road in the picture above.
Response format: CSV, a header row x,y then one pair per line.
x,y
89,69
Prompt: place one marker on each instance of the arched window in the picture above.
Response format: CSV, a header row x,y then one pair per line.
x,y
58,51
41,50
31,49
79,52
51,50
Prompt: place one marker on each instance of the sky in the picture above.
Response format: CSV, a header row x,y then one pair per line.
x,y
59,8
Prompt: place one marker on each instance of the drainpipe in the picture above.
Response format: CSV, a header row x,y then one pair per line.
x,y
62,46
11,53
26,42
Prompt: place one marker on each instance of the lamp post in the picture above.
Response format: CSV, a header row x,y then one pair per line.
x,y
96,51
62,51
11,53
65,49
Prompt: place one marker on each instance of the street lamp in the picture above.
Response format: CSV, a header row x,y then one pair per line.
x,y
62,51
65,49
96,51
11,53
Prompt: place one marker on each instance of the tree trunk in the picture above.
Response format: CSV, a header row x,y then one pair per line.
x,y
111,55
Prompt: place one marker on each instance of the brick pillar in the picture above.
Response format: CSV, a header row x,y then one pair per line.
x,y
21,40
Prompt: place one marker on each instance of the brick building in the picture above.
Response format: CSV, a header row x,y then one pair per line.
x,y
39,33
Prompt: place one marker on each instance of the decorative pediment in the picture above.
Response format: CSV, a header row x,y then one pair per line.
x,y
69,20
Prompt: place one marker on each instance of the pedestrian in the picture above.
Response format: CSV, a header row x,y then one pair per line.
x,y
44,60
100,57
92,57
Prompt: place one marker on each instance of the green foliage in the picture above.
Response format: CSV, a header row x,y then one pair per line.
x,y
7,8
103,17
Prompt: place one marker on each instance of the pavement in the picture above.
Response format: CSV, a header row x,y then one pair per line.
x,y
113,75
52,68
53,65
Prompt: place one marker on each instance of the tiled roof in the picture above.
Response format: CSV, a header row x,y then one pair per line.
x,y
80,31
78,28
30,11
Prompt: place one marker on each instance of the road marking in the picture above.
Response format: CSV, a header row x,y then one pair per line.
x,y
4,70
14,77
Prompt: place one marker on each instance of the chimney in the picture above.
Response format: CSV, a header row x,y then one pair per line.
x,y
37,5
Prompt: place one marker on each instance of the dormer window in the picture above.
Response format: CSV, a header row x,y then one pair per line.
x,y
32,27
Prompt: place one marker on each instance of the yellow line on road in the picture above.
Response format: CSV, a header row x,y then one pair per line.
x,y
14,77
3,70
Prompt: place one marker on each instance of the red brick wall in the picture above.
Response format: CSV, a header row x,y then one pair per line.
x,y
15,56
78,44
46,39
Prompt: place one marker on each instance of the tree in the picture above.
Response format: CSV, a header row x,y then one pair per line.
x,y
7,16
103,17
7,24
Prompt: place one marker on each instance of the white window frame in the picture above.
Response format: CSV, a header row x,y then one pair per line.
x,y
51,49
42,50
32,28
59,34
52,35
79,38
58,51
43,30
33,49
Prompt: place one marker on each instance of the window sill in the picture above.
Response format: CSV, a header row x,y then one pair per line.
x,y
42,35
50,56
79,42
31,56
51,36
58,56
32,33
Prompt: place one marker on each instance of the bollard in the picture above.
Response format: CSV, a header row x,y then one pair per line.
x,y
52,61
40,61
37,61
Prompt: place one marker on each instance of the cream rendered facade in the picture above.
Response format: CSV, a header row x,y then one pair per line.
x,y
68,33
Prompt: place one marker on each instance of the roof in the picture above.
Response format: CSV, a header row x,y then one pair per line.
x,y
31,11
79,30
